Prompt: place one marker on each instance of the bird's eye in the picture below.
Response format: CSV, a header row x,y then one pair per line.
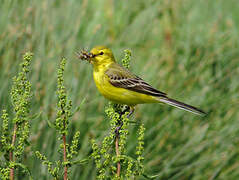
x,y
101,53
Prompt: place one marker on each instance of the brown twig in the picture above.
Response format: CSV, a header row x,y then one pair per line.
x,y
65,159
117,153
11,152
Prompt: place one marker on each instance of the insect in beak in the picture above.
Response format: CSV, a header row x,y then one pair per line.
x,y
84,55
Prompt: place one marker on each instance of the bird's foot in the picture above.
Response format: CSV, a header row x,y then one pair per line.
x,y
127,109
130,112
117,129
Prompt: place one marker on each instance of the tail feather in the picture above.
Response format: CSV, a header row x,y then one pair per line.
x,y
183,106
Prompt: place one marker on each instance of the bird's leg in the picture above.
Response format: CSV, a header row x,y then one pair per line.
x,y
118,128
130,112
120,121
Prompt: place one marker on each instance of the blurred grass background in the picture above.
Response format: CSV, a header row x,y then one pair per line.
x,y
188,49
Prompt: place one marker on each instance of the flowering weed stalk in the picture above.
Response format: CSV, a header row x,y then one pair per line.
x,y
14,140
61,124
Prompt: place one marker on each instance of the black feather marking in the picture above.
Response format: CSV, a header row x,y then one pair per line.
x,y
136,85
122,78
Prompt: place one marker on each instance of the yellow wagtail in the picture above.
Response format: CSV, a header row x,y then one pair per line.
x,y
119,85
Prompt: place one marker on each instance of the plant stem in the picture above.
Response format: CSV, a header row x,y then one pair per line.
x,y
117,153
11,152
64,152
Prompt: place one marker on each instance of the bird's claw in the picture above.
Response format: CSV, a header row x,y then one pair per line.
x,y
117,129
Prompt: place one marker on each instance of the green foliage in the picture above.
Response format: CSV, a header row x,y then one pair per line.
x,y
106,157
53,171
74,146
61,124
64,106
5,138
139,150
15,140
126,59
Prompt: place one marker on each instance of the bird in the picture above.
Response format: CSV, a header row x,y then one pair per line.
x,y
121,86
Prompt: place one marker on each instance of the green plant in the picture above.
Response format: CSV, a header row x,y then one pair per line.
x,y
15,133
61,125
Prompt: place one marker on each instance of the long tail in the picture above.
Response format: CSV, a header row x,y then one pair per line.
x,y
183,106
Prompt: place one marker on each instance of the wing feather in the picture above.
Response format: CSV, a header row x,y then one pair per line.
x,y
121,77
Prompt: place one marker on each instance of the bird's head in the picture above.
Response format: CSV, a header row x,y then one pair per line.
x,y
99,55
